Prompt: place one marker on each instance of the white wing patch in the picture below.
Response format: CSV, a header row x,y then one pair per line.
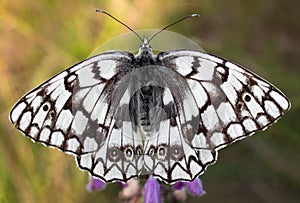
x,y
107,68
184,65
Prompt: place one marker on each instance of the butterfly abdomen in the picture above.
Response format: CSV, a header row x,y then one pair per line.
x,y
146,107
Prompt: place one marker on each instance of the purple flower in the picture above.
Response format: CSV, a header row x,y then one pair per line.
x,y
178,185
131,190
152,191
95,184
195,187
123,185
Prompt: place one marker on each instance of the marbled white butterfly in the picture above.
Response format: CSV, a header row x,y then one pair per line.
x,y
123,115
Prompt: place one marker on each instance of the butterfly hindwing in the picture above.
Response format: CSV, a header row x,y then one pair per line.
x,y
121,155
119,158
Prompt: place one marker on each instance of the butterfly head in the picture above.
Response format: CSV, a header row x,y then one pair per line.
x,y
145,55
145,46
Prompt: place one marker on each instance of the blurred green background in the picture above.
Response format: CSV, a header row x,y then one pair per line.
x,y
40,38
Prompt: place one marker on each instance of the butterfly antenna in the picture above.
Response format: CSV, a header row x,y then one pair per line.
x,y
177,21
104,12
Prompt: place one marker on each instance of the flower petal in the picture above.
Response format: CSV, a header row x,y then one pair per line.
x,y
152,191
178,185
123,185
95,184
195,187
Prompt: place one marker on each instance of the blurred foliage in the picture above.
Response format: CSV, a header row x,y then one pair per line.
x,y
40,38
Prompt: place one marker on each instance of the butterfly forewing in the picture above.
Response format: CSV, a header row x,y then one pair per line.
x,y
64,111
232,101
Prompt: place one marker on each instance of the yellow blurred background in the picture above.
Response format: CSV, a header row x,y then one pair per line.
x,y
41,38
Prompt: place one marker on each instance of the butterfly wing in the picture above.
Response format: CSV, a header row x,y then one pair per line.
x,y
121,156
228,102
74,112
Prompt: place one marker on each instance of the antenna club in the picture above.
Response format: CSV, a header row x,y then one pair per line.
x,y
100,11
195,15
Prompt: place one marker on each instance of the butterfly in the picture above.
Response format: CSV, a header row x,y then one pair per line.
x,y
123,115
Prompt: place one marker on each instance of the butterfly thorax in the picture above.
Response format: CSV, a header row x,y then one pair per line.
x,y
145,55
